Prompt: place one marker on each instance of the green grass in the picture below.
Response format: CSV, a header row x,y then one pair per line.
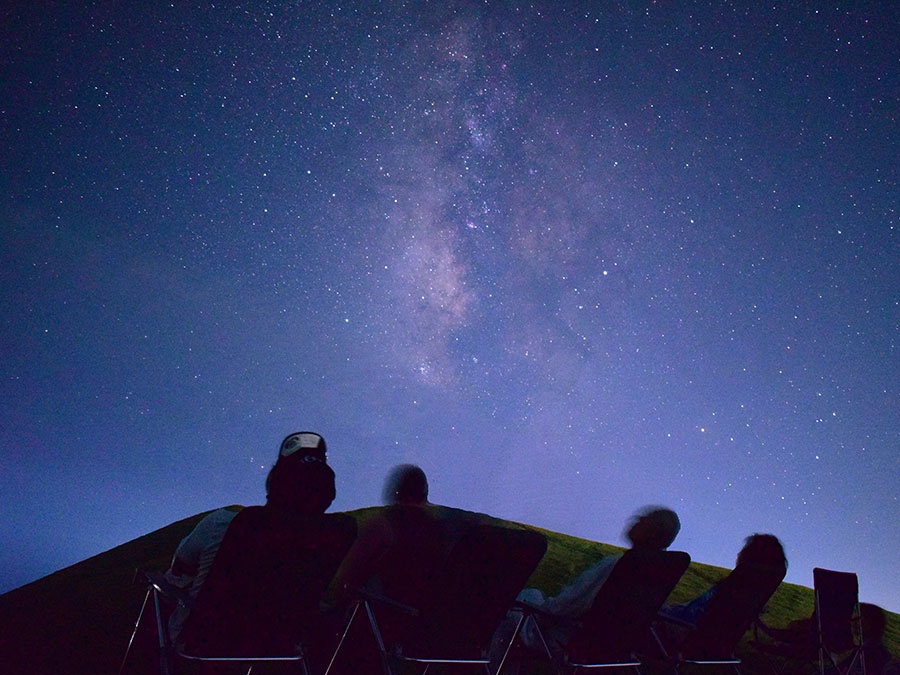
x,y
567,556
79,619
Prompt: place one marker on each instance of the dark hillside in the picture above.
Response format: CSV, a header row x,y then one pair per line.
x,y
79,619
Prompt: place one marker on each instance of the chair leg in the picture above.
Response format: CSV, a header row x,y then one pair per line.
x,y
134,632
858,657
385,658
509,645
165,651
343,638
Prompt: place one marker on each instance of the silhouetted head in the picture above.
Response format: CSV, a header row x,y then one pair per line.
x,y
653,527
762,550
301,484
405,484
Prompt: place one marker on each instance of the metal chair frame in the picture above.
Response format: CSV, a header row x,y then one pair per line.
x,y
846,585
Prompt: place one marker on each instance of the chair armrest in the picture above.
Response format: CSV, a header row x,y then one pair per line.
x,y
378,598
774,633
675,621
168,590
529,608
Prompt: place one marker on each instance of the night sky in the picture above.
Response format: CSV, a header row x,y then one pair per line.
x,y
570,258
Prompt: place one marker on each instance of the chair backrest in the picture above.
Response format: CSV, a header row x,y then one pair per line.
x,y
474,589
738,600
626,604
460,589
418,549
836,602
263,590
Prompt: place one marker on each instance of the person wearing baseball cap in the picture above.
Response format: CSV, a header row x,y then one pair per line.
x,y
299,484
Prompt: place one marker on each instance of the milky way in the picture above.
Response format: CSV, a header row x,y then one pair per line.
x,y
570,258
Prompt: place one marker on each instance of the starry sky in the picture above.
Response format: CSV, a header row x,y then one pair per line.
x,y
571,258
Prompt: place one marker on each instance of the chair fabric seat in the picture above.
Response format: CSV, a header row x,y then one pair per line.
x,y
618,622
262,594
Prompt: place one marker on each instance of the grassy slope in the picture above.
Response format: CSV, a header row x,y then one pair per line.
x,y
79,619
566,556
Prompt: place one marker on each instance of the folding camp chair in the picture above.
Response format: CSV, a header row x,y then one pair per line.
x,y
616,628
448,613
837,614
260,602
737,602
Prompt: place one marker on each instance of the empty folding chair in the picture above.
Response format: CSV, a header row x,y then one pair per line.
x,y
838,627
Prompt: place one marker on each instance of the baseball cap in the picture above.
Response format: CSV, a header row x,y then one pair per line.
x,y
307,443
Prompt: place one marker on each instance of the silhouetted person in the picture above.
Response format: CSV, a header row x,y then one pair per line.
x,y
406,539
397,552
761,551
652,528
292,487
405,484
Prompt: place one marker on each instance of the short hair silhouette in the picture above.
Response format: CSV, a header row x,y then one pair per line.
x,y
653,527
763,550
405,484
